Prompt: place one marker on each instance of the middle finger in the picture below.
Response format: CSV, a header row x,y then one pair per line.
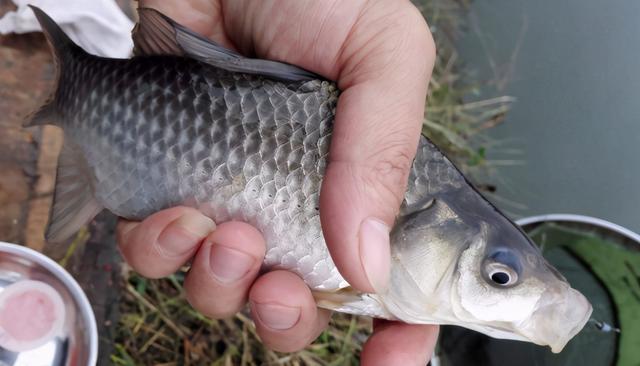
x,y
224,268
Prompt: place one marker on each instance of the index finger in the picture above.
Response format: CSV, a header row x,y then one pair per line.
x,y
159,245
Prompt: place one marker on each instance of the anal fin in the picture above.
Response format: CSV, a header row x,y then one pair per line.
x,y
73,201
45,115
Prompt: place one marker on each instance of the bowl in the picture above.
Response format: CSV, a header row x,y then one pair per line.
x,y
45,317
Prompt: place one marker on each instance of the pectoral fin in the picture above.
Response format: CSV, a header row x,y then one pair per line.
x,y
73,201
407,208
348,300
157,34
336,299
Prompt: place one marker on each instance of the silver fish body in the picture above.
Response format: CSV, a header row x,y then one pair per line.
x,y
163,131
244,139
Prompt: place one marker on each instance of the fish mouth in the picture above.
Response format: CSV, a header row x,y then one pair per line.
x,y
560,315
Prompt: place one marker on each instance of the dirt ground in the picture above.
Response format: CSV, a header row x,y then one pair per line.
x,y
27,156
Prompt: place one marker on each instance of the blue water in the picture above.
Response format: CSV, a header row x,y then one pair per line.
x,y
574,67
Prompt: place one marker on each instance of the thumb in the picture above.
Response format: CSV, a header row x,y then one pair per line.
x,y
375,137
363,187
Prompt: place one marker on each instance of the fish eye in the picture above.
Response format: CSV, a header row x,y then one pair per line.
x,y
500,277
501,274
502,268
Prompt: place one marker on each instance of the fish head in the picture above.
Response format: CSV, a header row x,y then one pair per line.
x,y
480,271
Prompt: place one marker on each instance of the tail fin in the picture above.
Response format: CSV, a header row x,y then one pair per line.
x,y
61,44
73,201
63,50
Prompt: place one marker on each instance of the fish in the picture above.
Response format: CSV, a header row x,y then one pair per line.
x,y
187,122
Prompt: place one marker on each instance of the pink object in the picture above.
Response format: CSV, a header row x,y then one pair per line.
x,y
31,314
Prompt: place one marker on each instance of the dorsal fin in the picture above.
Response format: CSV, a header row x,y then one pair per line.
x,y
157,34
153,35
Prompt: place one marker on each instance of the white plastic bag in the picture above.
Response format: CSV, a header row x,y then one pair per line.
x,y
98,26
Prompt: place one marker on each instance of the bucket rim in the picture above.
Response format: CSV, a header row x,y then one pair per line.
x,y
580,219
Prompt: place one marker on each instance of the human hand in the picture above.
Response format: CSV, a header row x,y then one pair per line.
x,y
381,55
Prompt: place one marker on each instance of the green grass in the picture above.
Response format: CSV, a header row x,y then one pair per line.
x,y
157,325
454,115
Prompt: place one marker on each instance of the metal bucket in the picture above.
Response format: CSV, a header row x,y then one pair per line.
x,y
605,228
593,254
72,339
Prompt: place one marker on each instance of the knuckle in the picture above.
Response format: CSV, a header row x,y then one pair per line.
x,y
418,26
208,297
415,42
408,23
213,307
122,230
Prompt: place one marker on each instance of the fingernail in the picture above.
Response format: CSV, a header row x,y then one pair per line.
x,y
184,234
229,265
375,252
277,317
